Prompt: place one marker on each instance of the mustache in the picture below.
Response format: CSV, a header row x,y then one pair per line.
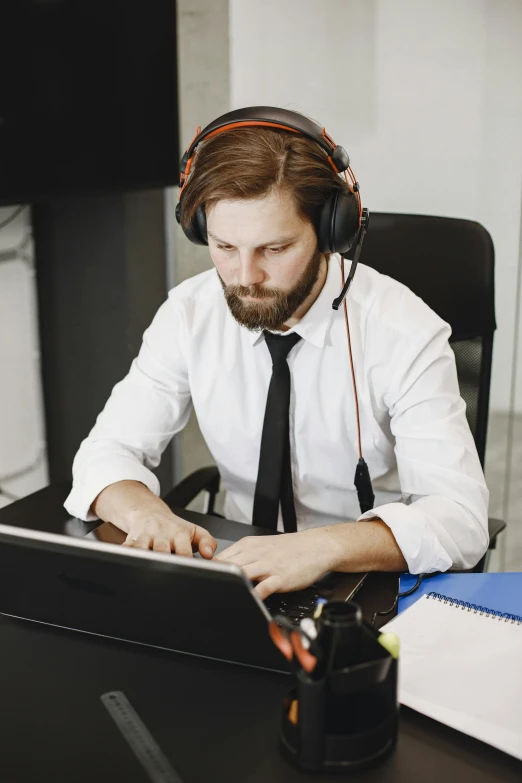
x,y
256,291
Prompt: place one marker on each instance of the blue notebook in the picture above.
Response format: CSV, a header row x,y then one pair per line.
x,y
500,592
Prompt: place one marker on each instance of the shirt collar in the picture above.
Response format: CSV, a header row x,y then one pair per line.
x,y
314,325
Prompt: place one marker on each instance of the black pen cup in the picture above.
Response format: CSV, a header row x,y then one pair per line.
x,y
344,715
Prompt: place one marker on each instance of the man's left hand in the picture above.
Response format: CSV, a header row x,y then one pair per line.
x,y
279,564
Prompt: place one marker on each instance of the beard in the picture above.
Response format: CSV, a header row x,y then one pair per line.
x,y
278,306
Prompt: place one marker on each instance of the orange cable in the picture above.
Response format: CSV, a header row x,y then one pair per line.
x,y
351,365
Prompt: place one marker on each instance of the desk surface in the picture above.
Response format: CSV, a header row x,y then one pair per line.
x,y
213,721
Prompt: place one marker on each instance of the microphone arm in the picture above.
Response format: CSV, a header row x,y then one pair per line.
x,y
358,247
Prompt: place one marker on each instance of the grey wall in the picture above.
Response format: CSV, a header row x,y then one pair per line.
x,y
204,93
101,272
23,463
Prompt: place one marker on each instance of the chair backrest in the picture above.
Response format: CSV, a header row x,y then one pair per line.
x,y
449,263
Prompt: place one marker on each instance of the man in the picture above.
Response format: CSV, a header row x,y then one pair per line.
x,y
260,192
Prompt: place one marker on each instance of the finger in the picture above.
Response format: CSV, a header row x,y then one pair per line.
x,y
161,545
241,559
257,570
229,552
268,586
182,544
142,541
206,549
247,543
205,542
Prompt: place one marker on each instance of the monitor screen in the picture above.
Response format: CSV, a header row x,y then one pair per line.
x,y
88,97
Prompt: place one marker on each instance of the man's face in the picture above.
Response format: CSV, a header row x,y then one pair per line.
x,y
266,257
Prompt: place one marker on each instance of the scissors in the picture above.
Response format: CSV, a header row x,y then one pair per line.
x,y
293,641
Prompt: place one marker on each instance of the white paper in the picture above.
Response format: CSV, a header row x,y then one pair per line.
x,y
464,669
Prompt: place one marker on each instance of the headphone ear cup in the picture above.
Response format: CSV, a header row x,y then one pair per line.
x,y
196,230
338,222
199,227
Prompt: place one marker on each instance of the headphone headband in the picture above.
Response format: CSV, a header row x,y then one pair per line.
x,y
341,216
270,117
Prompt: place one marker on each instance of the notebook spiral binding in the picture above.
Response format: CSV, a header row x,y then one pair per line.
x,y
515,619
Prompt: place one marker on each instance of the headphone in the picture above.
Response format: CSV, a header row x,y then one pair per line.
x,y
342,221
341,215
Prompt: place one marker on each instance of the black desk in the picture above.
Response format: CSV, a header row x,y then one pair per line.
x,y
214,721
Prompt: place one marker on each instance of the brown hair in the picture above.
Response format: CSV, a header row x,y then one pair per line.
x,y
247,163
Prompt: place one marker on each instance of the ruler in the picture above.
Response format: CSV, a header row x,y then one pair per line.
x,y
139,738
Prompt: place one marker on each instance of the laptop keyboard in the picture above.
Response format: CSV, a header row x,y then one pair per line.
x,y
296,605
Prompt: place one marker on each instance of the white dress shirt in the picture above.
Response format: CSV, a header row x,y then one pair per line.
x,y
422,459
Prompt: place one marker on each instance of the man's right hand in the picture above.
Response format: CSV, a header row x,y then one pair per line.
x,y
149,522
165,532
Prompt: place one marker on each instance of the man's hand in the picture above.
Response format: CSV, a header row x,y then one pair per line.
x,y
296,560
283,563
149,522
165,532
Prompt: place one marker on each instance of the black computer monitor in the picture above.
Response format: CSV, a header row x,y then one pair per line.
x,y
88,98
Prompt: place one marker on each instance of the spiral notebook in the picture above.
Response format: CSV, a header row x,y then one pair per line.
x,y
462,665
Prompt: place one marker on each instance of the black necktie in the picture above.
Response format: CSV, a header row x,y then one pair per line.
x,y
274,477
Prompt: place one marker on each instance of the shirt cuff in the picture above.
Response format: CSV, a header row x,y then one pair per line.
x,y
418,543
82,495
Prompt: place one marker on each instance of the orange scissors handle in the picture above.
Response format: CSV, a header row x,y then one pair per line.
x,y
289,640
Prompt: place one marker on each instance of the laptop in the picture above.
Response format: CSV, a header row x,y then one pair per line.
x,y
188,605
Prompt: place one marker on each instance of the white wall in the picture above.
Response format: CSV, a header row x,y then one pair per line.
x,y
23,466
426,97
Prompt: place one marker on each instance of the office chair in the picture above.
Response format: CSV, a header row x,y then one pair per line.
x,y
449,263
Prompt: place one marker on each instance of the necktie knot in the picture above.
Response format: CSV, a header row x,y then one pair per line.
x,y
280,346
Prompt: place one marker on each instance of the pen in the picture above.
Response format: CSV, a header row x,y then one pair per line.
x,y
319,607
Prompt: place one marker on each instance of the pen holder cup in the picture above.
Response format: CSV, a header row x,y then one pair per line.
x,y
344,715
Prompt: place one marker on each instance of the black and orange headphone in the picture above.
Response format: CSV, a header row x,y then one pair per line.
x,y
342,222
